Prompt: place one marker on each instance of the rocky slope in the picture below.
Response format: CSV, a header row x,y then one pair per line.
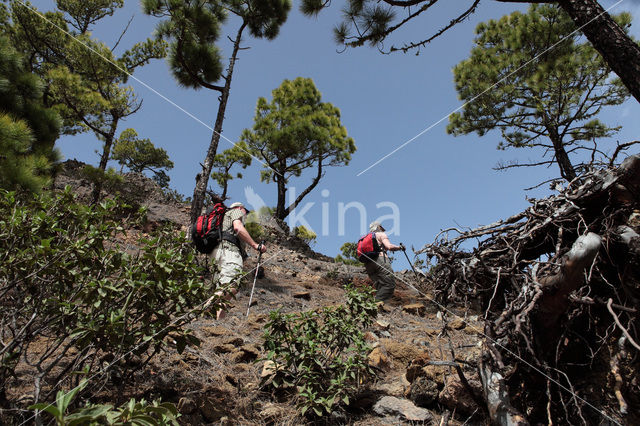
x,y
218,383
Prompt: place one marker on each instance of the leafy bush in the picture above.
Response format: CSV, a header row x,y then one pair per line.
x,y
348,256
255,230
304,234
332,274
137,413
66,284
108,180
175,196
323,353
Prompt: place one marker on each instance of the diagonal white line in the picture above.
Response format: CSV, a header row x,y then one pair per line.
x,y
485,91
39,14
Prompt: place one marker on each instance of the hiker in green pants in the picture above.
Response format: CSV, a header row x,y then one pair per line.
x,y
379,268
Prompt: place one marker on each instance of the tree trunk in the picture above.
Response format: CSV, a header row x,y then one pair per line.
x,y
620,52
556,288
281,212
202,178
104,159
306,191
224,191
496,394
562,158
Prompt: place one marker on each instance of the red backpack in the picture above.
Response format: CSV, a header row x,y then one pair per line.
x,y
206,233
368,248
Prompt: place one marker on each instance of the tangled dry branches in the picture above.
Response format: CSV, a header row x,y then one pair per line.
x,y
559,287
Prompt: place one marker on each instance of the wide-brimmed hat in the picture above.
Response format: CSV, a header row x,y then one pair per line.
x,y
373,226
238,204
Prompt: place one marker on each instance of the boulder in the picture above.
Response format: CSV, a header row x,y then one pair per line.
x,y
302,295
423,392
403,408
416,365
379,358
415,308
456,397
401,352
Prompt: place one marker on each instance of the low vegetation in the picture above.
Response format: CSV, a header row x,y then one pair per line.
x,y
78,302
322,355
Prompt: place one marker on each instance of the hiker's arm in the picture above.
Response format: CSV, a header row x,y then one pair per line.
x,y
387,244
243,234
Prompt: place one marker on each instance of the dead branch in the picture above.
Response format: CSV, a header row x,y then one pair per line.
x,y
501,411
542,278
624,330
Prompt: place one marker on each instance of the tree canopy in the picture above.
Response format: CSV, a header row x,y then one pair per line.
x,y
294,132
28,129
140,154
225,161
372,21
193,30
549,103
86,81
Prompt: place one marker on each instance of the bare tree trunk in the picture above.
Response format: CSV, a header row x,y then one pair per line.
x,y
104,159
556,288
620,52
202,178
306,191
281,212
562,158
496,394
224,191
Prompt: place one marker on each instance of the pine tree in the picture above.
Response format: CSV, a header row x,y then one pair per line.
x,y
372,21
296,131
28,130
550,103
86,82
225,161
193,29
139,155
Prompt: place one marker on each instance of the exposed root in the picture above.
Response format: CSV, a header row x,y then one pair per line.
x,y
548,280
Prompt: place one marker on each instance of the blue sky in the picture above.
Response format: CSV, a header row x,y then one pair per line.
x,y
437,181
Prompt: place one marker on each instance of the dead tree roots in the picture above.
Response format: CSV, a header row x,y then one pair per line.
x,y
559,288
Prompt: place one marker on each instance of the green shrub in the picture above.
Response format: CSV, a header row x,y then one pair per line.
x,y
136,413
322,354
304,234
255,230
332,274
346,261
109,180
67,284
348,256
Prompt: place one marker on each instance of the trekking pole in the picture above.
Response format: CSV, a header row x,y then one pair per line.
x,y
255,277
410,264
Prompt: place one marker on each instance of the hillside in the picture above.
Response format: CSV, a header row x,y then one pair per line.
x,y
469,342
218,383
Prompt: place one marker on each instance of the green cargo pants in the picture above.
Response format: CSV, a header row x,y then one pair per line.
x,y
380,272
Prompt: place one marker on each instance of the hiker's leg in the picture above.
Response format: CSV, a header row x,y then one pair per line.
x,y
229,262
386,281
373,271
